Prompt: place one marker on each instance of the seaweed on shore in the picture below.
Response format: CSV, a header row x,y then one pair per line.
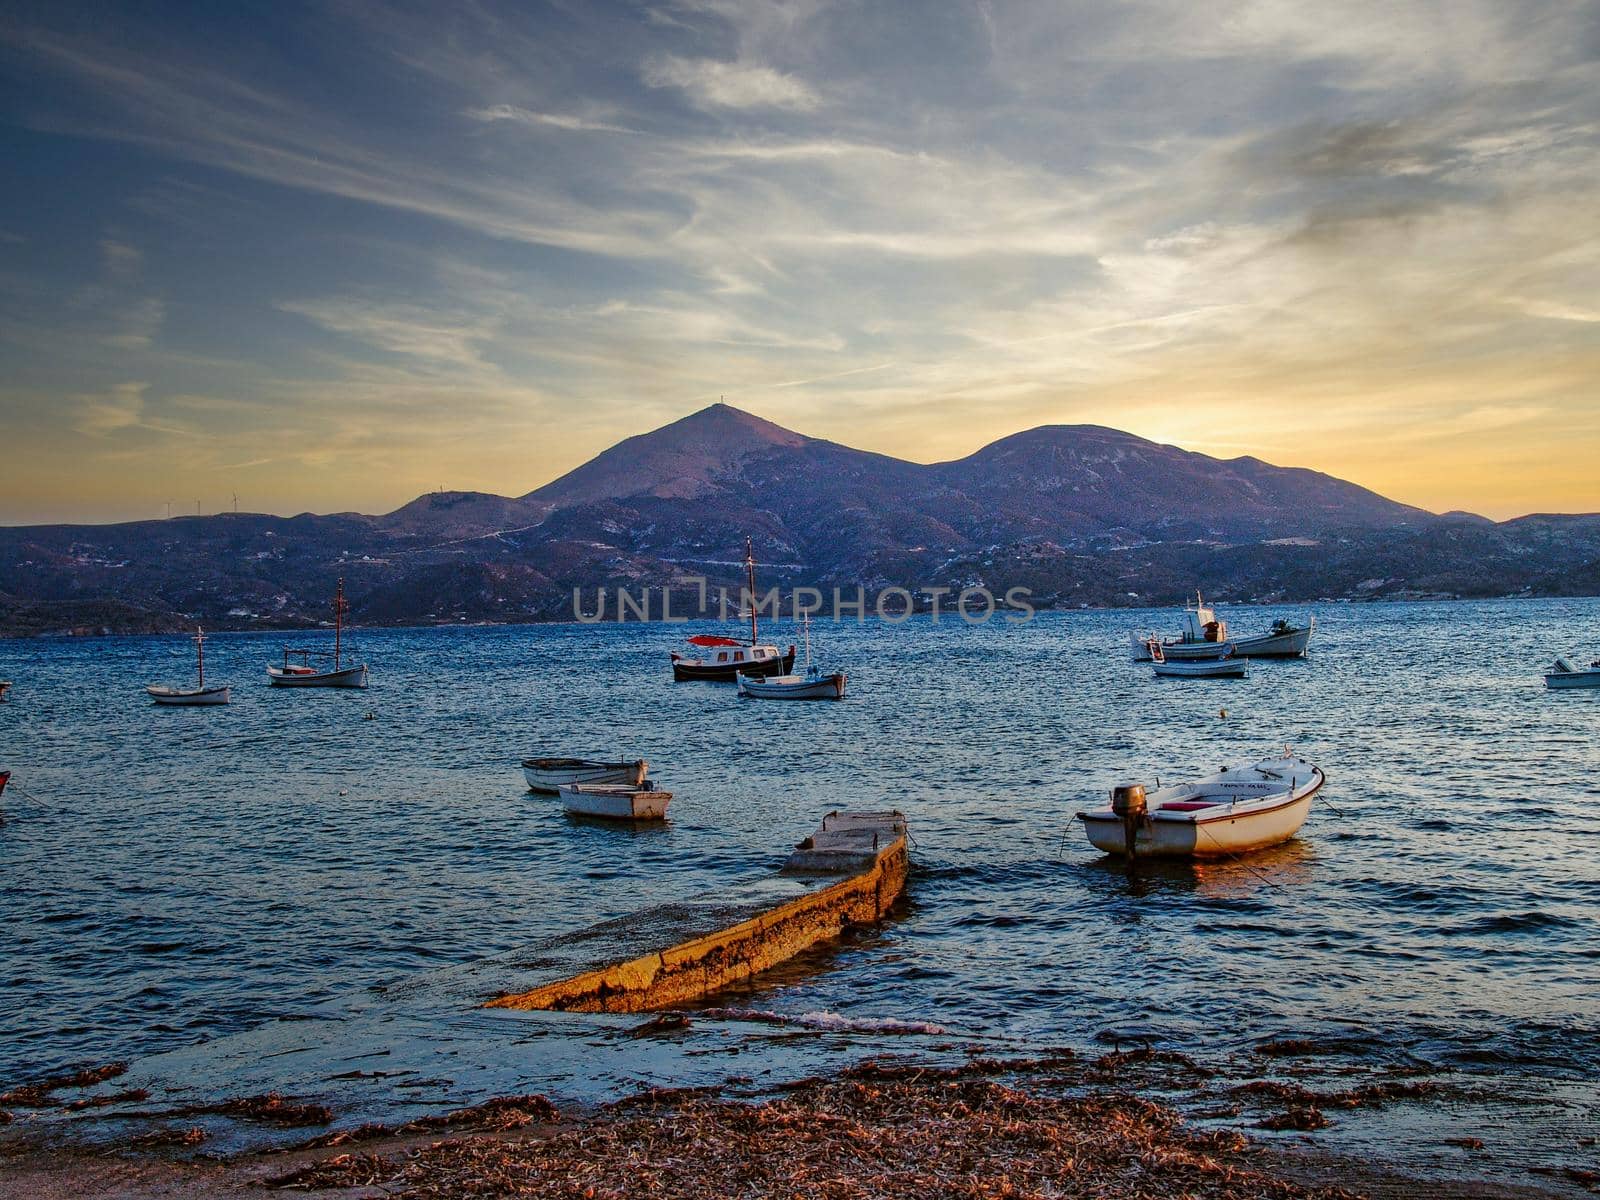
x,y
40,1094
947,1132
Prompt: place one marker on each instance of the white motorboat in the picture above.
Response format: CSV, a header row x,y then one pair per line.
x,y
812,685
1564,673
200,693
1249,806
303,674
1204,635
727,659
1226,666
549,775
644,803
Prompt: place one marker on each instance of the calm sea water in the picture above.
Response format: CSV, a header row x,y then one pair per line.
x,y
175,874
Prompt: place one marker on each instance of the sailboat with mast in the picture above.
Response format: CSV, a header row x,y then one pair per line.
x,y
302,673
811,685
725,659
200,693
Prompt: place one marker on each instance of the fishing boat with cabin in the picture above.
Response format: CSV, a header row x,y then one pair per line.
x,y
1248,806
1205,635
302,673
725,659
200,693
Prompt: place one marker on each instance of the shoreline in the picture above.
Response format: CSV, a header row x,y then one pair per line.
x,y
1046,1125
82,633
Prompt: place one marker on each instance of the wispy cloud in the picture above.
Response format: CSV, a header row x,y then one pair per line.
x,y
713,84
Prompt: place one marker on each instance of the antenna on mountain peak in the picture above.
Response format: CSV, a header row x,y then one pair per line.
x,y
236,502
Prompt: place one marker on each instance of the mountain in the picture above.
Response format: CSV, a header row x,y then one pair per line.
x,y
1079,514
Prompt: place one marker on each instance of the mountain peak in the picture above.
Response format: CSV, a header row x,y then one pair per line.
x,y
679,461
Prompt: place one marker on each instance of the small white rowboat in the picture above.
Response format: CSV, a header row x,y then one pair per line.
x,y
1564,673
549,775
618,803
204,695
1225,667
1246,807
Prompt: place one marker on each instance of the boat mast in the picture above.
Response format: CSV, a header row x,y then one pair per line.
x,y
750,572
200,648
338,620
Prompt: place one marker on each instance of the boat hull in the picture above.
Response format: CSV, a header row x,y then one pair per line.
x,y
189,696
1560,680
555,773
794,687
1214,668
1183,832
347,677
1293,643
615,804
691,669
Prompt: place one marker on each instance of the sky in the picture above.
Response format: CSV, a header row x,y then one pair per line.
x,y
329,256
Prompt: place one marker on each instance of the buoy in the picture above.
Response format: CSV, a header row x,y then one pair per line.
x,y
1223,713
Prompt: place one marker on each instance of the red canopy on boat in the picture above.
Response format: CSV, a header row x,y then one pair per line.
x,y
708,639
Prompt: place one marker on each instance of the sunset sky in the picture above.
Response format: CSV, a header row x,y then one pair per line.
x,y
330,256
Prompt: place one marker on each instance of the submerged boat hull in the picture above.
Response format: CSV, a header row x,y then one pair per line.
x,y
346,677
615,803
189,696
1269,810
548,776
794,687
684,669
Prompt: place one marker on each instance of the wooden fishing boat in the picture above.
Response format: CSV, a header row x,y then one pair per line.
x,y
1204,635
302,673
5,778
1249,806
1564,673
643,803
548,775
200,693
5,686
812,684
1225,667
727,659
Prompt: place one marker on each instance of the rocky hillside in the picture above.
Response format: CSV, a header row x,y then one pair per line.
x,y
1079,514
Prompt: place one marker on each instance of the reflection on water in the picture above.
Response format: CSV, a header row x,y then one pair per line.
x,y
186,872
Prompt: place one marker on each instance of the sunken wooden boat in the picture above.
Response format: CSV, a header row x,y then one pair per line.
x,y
1564,673
644,803
329,670
1249,806
547,776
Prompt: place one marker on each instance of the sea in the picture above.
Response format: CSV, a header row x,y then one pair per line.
x,y
172,875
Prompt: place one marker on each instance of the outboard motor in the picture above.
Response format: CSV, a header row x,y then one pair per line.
x,y
1128,803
